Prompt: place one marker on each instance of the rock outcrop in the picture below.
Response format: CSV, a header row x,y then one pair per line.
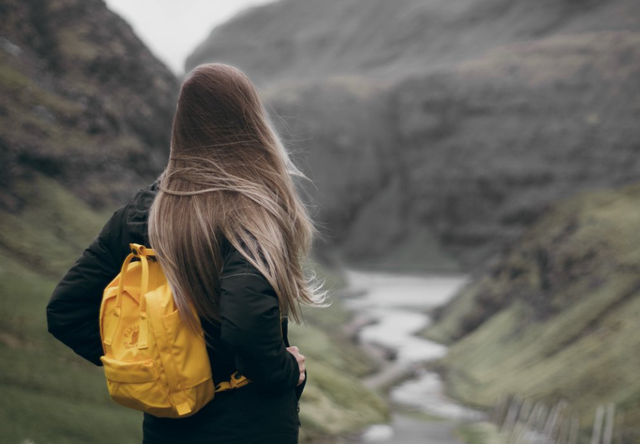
x,y
84,101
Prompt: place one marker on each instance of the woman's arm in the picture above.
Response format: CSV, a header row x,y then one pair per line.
x,y
251,326
74,306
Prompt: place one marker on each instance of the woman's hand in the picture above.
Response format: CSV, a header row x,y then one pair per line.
x,y
300,358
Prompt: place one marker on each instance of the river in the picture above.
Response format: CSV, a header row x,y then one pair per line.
x,y
396,308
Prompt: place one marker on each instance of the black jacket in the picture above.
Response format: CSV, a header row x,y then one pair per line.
x,y
248,339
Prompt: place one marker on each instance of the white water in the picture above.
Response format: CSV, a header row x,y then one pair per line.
x,y
398,304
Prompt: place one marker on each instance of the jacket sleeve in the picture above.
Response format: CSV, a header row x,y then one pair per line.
x,y
250,326
74,306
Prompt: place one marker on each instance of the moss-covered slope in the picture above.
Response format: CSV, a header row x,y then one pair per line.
x,y
557,316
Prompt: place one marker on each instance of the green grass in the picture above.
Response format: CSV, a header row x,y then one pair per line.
x,y
566,323
480,433
48,393
335,402
447,327
51,231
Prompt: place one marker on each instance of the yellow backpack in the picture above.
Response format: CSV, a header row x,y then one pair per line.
x,y
153,362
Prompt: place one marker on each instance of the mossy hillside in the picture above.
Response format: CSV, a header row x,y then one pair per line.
x,y
42,381
52,227
556,318
45,383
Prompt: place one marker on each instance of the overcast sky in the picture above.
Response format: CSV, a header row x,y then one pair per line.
x,y
173,28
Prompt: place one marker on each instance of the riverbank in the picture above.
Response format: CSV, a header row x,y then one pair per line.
x,y
387,311
335,402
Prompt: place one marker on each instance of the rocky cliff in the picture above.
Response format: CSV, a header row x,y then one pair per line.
x,y
84,101
436,132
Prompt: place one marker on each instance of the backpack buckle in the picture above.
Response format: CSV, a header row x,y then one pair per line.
x,y
140,250
237,380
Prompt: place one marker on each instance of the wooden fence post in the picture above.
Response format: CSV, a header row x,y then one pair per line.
x,y
552,420
597,425
608,426
619,426
523,421
512,415
531,420
499,409
565,426
575,424
539,428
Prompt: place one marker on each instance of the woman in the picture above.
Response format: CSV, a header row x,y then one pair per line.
x,y
231,234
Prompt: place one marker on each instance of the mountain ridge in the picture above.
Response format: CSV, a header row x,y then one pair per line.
x,y
461,123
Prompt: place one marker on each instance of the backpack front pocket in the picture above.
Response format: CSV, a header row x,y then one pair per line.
x,y
136,385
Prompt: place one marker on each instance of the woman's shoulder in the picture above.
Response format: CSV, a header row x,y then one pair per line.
x,y
234,257
237,268
234,260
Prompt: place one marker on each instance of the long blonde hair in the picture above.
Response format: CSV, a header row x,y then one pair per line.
x,y
229,176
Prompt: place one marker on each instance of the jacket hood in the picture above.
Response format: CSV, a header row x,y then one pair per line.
x,y
137,214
